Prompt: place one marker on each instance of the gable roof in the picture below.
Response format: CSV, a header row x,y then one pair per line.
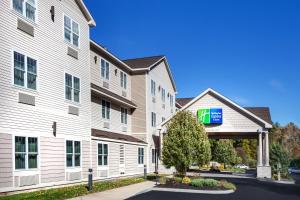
x,y
256,113
86,13
148,63
142,63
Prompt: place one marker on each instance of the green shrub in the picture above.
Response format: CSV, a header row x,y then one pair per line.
x,y
177,179
71,191
186,180
162,180
204,183
227,185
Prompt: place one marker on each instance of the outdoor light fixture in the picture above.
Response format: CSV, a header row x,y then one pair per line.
x,y
54,129
116,71
52,11
95,58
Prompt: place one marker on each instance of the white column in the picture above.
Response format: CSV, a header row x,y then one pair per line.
x,y
267,148
260,149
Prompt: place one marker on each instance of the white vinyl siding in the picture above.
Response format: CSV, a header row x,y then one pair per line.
x,y
26,153
105,109
71,31
73,153
72,88
104,69
140,155
124,115
25,71
27,8
171,101
123,80
102,154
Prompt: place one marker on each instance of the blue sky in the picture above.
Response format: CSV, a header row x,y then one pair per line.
x,y
247,50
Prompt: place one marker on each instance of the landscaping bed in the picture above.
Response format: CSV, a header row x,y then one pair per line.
x,y
195,183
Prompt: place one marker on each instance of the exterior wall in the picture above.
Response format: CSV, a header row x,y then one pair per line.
x,y
233,120
114,78
50,50
113,169
6,168
160,75
115,117
139,98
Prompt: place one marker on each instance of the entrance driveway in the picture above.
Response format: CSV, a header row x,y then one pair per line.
x,y
247,189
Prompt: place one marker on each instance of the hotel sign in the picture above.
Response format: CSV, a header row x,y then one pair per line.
x,y
210,116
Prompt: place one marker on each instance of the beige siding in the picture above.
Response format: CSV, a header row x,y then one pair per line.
x,y
114,76
131,161
94,157
114,159
233,119
85,158
52,155
6,162
115,117
139,98
52,63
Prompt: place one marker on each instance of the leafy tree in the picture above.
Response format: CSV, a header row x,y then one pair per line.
x,y
279,155
224,152
185,143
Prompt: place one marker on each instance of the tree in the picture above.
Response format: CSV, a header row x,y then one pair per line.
x,y
185,143
224,152
278,155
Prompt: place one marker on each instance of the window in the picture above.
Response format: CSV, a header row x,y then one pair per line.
x,y
26,152
105,109
140,155
102,154
153,88
171,100
25,7
104,69
71,31
154,154
153,119
72,88
73,151
123,79
163,119
163,95
123,115
25,71
122,154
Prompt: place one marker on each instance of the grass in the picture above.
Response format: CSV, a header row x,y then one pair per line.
x,y
72,191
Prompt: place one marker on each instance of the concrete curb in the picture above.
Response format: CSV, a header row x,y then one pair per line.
x,y
193,191
279,182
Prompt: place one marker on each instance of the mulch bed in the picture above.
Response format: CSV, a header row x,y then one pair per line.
x,y
176,185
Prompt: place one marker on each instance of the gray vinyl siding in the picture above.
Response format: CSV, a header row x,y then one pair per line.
x,y
52,157
6,168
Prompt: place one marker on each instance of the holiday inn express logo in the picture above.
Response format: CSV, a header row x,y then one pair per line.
x,y
210,116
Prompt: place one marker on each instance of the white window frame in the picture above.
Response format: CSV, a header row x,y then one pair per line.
x,y
153,88
141,164
72,88
25,86
106,109
124,115
123,80
71,30
163,95
106,67
153,119
73,154
26,169
103,166
23,14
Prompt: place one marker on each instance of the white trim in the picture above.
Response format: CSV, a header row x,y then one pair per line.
x,y
103,167
91,21
73,168
117,141
109,66
267,125
78,104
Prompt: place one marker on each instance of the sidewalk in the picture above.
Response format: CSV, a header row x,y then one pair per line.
x,y
118,193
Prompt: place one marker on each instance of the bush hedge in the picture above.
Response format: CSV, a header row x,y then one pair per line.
x,y
204,183
72,191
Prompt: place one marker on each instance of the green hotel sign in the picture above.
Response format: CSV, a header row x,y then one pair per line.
x,y
210,116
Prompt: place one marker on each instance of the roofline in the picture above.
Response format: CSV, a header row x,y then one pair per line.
x,y
110,54
267,125
86,12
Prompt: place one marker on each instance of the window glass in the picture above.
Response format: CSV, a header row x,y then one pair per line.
x,y
31,73
19,69
76,89
77,153
140,155
25,7
20,152
71,31
32,152
30,11
26,149
102,154
68,82
18,6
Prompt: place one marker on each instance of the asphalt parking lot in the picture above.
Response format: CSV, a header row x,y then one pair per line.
x,y
247,189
